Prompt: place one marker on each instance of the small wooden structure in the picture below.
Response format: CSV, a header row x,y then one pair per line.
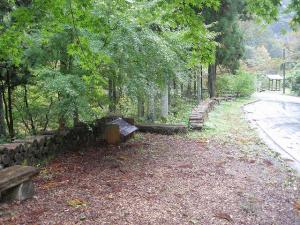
x,y
275,79
119,130
16,182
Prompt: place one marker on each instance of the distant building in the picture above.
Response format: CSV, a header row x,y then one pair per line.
x,y
274,82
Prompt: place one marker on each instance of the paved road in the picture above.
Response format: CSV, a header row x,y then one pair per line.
x,y
278,118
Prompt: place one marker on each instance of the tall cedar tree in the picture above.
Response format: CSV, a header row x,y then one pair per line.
x,y
230,39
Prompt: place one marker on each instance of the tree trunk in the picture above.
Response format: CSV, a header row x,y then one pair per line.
x,y
65,68
61,118
5,108
2,121
165,101
141,108
9,104
33,129
75,117
151,107
112,95
61,123
198,80
47,115
212,76
195,85
181,90
189,88
173,102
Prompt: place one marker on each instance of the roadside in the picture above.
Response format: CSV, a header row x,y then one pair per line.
x,y
277,119
224,175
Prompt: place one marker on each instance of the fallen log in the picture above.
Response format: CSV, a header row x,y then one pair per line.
x,y
162,129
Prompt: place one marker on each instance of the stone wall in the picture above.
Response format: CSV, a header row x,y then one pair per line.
x,y
37,148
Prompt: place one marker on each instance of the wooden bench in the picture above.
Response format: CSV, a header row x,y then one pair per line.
x,y
16,182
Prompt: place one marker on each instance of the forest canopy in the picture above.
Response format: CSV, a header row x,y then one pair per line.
x,y
66,61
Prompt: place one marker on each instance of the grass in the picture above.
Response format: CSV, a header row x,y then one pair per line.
x,y
225,120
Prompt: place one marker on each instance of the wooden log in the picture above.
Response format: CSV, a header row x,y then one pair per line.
x,y
196,126
196,117
196,121
163,128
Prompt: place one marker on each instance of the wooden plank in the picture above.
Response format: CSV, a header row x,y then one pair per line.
x,y
16,175
196,126
112,134
196,118
197,121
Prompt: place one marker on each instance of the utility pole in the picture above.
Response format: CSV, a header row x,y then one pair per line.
x,y
201,83
283,68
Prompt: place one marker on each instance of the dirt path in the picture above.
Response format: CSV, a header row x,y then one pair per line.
x,y
159,180
223,175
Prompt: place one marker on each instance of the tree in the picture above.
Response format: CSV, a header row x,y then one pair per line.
x,y
2,121
294,7
231,49
65,61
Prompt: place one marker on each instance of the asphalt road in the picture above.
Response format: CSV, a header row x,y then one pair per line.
x,y
278,118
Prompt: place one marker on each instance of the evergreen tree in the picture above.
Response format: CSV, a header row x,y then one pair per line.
x,y
231,49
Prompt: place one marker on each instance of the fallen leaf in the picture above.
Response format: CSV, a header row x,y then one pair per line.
x,y
82,217
297,205
224,216
50,185
194,221
110,196
76,203
123,158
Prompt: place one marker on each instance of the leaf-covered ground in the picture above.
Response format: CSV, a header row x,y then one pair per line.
x,y
221,176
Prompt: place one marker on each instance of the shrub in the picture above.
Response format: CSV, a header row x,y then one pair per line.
x,y
296,85
241,84
224,85
244,84
294,79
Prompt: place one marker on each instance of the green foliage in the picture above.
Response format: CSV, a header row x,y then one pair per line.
x,y
181,111
294,7
241,84
293,78
224,84
73,59
263,9
244,84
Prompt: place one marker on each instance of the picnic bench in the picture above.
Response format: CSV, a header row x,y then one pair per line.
x,y
16,182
